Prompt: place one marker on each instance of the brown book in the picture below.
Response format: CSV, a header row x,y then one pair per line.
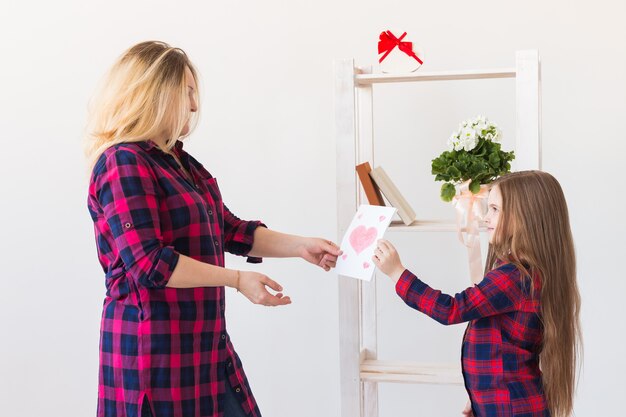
x,y
372,191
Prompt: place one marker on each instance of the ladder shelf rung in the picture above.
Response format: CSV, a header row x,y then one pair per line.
x,y
364,79
428,226
411,372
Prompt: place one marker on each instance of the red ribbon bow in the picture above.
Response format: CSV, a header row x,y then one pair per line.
x,y
388,41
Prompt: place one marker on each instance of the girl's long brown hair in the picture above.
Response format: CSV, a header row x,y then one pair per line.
x,y
534,233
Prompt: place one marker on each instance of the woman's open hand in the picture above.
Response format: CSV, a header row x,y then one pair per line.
x,y
320,252
252,285
387,260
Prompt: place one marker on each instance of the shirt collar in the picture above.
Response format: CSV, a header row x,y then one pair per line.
x,y
150,145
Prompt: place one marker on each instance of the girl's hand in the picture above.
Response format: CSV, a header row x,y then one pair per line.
x,y
386,259
252,285
467,411
320,252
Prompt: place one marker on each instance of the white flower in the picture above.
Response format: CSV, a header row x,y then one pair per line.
x,y
471,131
453,141
493,133
480,127
497,138
468,139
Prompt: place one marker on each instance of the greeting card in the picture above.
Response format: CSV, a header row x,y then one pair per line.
x,y
368,225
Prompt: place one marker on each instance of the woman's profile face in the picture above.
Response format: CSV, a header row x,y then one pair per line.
x,y
191,96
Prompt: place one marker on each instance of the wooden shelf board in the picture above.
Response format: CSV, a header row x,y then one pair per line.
x,y
364,79
427,226
411,372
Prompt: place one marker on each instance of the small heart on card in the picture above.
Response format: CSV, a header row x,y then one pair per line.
x,y
381,218
359,216
344,256
366,265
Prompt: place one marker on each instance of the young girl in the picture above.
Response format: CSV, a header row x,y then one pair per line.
x,y
521,346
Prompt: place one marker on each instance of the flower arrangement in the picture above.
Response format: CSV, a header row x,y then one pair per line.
x,y
474,154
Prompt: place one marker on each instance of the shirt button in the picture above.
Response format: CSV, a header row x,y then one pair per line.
x,y
127,225
217,243
210,212
223,336
230,364
237,389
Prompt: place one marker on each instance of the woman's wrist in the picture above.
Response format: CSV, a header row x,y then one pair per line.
x,y
233,279
238,281
299,246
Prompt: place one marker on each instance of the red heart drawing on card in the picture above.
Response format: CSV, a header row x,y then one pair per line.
x,y
362,237
344,256
366,265
381,218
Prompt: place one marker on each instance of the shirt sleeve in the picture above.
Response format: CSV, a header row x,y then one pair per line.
x,y
126,190
239,235
499,292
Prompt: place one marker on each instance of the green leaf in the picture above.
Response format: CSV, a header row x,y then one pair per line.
x,y
454,172
481,148
448,191
494,159
474,187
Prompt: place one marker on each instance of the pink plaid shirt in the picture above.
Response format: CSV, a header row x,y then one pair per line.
x,y
167,345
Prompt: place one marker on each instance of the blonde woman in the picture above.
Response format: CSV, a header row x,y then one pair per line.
x,y
161,231
521,346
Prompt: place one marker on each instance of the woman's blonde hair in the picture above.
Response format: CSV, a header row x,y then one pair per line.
x,y
534,233
144,95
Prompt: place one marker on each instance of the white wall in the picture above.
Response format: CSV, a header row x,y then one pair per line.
x,y
267,135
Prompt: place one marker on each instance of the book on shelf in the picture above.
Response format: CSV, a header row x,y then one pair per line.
x,y
372,192
393,195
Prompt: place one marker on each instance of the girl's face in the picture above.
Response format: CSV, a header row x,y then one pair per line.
x,y
493,213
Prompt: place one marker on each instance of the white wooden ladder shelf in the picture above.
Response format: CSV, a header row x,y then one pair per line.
x,y
360,370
